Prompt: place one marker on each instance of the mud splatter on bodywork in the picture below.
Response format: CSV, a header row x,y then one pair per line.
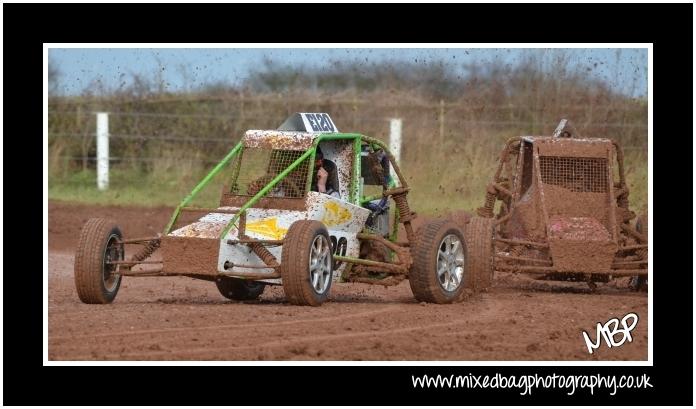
x,y
209,226
282,140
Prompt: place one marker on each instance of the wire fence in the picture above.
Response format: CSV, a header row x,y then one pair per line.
x,y
201,143
231,118
168,138
160,147
170,131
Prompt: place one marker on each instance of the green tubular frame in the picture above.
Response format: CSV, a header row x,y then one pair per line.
x,y
266,189
201,185
357,171
310,153
308,184
354,192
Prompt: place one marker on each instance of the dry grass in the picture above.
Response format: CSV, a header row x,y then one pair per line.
x,y
449,152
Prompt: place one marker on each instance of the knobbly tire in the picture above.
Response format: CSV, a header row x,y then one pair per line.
x,y
461,218
437,264
307,263
238,289
96,281
479,243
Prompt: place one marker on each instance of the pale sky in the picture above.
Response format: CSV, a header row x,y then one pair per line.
x,y
625,70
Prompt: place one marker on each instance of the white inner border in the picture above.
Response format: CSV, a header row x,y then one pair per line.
x,y
46,362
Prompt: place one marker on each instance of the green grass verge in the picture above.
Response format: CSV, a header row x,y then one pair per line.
x,y
433,191
131,188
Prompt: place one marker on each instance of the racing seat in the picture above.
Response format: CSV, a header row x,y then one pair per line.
x,y
332,183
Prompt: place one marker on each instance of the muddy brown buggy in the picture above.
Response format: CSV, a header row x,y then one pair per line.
x,y
558,209
270,228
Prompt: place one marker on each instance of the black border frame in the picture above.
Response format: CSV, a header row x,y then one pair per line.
x,y
27,27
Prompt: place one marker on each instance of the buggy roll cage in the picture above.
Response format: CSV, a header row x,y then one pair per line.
x,y
354,191
496,189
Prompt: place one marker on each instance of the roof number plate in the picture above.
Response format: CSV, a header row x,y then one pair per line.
x,y
318,122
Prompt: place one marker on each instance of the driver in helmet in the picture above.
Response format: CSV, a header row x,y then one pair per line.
x,y
324,176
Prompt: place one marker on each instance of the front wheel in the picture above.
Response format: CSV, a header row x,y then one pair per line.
x,y
96,279
439,263
307,263
479,242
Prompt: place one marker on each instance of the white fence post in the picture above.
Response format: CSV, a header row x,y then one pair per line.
x,y
102,150
395,139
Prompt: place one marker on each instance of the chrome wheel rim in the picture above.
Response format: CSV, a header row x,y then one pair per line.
x,y
450,263
320,264
112,252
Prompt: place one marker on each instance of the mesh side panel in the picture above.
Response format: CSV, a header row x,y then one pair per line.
x,y
575,174
255,168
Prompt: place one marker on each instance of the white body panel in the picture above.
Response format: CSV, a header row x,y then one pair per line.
x,y
342,220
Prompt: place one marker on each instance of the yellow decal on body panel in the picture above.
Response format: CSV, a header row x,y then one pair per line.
x,y
335,214
267,227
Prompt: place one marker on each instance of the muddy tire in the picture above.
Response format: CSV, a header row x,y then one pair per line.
x,y
238,289
96,281
307,263
462,219
479,242
438,271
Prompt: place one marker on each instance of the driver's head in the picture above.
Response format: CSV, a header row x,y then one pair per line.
x,y
318,159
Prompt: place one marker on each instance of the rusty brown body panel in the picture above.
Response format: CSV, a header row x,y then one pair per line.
x,y
190,255
562,147
580,256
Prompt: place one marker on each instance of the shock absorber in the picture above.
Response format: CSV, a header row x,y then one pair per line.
x,y
144,253
487,209
405,213
264,254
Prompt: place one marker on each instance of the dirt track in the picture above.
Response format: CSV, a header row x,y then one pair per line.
x,y
186,319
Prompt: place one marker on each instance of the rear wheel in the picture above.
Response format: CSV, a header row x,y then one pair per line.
x,y
238,289
439,257
97,280
479,242
307,263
